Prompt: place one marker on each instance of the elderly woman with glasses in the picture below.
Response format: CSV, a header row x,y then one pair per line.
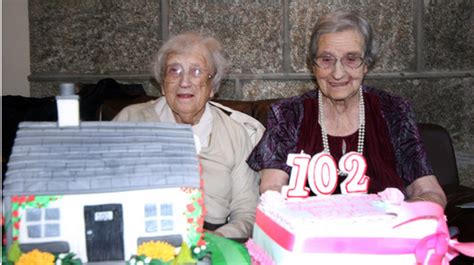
x,y
189,67
342,115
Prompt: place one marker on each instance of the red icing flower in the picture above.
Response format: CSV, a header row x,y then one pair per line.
x,y
190,220
201,242
31,198
200,221
18,199
200,201
16,225
15,238
190,207
22,199
15,213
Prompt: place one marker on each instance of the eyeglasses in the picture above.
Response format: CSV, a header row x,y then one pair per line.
x,y
329,61
174,73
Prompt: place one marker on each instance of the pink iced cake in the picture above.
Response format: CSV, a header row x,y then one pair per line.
x,y
349,229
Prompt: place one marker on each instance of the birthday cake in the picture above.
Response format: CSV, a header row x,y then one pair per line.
x,y
348,229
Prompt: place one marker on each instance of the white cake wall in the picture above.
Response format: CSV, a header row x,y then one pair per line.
x,y
72,227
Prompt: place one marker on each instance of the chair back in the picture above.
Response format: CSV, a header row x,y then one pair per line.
x,y
439,148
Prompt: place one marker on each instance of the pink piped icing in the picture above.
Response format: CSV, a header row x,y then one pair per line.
x,y
392,196
257,254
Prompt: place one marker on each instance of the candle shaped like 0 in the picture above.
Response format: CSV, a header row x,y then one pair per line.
x,y
322,174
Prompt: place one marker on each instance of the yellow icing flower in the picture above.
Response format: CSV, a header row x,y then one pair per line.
x,y
36,257
157,250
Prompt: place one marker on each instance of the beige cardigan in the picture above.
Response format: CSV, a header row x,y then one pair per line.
x,y
230,186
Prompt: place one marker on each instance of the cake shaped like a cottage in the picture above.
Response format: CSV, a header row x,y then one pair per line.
x,y
101,188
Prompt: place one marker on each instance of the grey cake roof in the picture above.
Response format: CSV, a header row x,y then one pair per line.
x,y
100,157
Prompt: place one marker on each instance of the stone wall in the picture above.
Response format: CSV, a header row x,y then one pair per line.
x,y
426,55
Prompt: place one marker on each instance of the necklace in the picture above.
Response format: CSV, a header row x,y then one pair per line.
x,y
361,135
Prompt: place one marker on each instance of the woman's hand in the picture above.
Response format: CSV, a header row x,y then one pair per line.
x,y
273,179
426,188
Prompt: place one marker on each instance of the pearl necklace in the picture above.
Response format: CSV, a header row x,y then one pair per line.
x,y
360,141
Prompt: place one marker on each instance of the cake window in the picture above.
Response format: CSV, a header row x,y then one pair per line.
x,y
52,214
51,230
151,226
34,231
43,222
166,225
33,215
158,221
166,209
150,210
151,214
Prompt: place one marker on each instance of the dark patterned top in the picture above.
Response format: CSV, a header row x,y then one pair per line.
x,y
284,132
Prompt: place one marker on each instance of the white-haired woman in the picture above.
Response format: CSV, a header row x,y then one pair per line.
x,y
189,67
342,115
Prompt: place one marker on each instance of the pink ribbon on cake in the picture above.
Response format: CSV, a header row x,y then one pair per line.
x,y
437,248
434,249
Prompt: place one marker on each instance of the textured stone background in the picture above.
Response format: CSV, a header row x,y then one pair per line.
x,y
426,49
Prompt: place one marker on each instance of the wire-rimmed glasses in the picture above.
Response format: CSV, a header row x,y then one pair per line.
x,y
174,72
348,61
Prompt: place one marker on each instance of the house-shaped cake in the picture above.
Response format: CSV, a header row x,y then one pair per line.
x,y
101,188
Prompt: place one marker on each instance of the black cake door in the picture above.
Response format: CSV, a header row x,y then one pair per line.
x,y
104,232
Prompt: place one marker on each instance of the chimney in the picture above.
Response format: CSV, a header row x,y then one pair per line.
x,y
68,106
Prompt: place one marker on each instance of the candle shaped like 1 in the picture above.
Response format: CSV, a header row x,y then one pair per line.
x,y
296,187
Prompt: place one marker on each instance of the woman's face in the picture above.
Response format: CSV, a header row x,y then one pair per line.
x,y
340,82
187,86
